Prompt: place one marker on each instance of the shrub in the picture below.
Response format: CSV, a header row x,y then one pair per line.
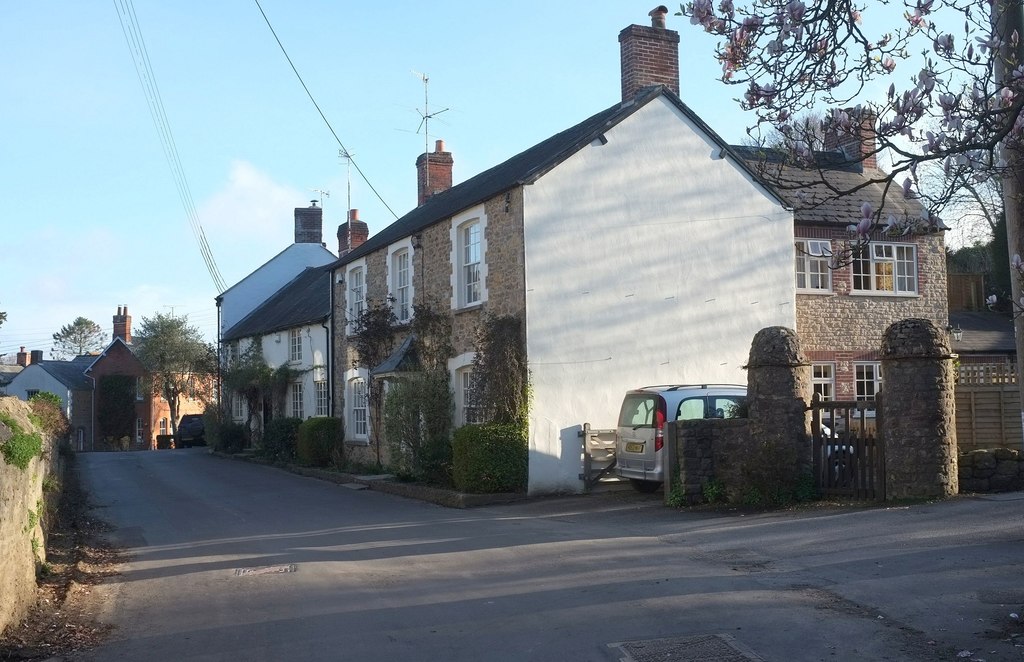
x,y
319,442
490,458
417,424
164,440
230,438
279,439
48,414
22,446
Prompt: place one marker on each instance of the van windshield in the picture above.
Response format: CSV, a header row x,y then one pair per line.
x,y
638,410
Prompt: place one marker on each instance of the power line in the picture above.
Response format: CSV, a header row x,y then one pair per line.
x,y
317,106
147,78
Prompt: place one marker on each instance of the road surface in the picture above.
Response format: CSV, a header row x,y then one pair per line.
x,y
238,561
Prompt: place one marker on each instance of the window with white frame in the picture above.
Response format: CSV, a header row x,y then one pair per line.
x,y
812,271
297,395
887,268
867,379
468,412
31,393
139,430
356,298
163,426
139,391
321,397
359,408
469,262
823,380
295,345
237,407
401,284
233,353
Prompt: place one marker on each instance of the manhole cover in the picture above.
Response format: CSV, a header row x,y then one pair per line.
x,y
705,648
266,570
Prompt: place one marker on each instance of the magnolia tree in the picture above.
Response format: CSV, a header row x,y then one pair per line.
x,y
941,81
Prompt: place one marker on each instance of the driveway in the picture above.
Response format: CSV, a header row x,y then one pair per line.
x,y
236,561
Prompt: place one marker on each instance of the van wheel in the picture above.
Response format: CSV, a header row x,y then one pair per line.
x,y
644,486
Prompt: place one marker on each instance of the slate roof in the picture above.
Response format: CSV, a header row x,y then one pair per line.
x,y
69,373
7,373
525,168
403,359
984,333
304,300
821,206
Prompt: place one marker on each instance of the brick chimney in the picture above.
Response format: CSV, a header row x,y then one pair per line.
x,y
650,56
309,224
23,358
433,172
352,234
123,324
857,144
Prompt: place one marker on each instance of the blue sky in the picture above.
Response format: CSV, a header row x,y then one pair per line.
x,y
90,211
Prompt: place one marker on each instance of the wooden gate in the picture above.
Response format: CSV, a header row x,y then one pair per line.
x,y
849,454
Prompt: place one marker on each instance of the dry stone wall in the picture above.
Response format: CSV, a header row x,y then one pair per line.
x,y
996,470
21,496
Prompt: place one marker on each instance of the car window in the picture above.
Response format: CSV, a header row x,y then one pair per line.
x,y
637,411
725,406
690,409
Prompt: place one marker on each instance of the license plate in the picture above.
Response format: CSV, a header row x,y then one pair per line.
x,y
634,447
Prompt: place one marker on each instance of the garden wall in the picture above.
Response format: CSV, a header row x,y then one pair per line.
x,y
21,517
991,470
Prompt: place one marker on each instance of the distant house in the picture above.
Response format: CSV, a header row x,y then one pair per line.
x,y
292,328
7,373
150,414
66,380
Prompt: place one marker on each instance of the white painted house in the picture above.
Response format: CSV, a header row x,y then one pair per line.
x,y
291,328
635,246
308,250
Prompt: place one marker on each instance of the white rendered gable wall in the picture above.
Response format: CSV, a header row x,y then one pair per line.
x,y
649,260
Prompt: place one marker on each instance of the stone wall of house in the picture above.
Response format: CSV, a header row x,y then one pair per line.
x,y
432,284
864,318
995,470
21,496
861,318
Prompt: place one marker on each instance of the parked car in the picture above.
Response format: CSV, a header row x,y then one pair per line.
x,y
640,436
191,431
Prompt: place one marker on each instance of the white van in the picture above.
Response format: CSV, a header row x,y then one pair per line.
x,y
640,436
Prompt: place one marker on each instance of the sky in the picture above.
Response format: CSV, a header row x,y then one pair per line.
x,y
91,213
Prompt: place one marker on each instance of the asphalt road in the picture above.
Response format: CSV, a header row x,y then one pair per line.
x,y
236,561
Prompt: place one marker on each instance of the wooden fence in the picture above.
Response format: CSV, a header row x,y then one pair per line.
x,y
988,413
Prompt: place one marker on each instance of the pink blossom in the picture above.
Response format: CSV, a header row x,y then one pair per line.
x,y
908,190
889,64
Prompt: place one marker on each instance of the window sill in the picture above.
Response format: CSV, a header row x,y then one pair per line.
x,y
884,295
357,442
820,293
468,309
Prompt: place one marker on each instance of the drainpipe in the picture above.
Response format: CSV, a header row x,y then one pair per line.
x,y
327,352
92,418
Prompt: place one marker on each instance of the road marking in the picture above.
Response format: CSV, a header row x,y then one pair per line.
x,y
266,570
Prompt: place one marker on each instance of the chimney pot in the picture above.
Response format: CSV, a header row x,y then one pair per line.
x,y
353,214
438,145
658,15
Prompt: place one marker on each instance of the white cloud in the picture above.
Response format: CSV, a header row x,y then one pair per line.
x,y
249,220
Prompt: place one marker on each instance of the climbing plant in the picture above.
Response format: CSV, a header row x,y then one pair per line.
x,y
501,387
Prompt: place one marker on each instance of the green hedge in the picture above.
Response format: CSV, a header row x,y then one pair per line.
x,y
279,439
319,442
228,437
490,458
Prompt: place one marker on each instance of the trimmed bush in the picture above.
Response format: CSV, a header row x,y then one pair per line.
x,y
164,440
319,442
48,414
230,438
417,425
490,458
279,439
